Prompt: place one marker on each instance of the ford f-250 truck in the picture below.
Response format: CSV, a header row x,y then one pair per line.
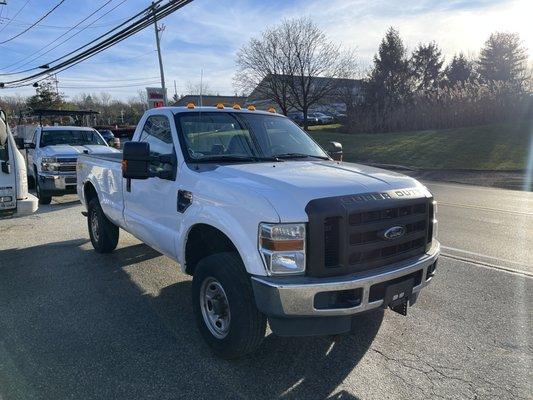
x,y
52,155
269,225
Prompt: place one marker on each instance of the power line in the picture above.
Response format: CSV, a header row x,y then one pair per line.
x,y
62,35
14,16
110,87
35,23
109,80
102,43
58,27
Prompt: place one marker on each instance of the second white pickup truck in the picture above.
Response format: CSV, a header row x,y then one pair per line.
x,y
270,226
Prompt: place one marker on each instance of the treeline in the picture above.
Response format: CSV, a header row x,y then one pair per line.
x,y
111,111
417,91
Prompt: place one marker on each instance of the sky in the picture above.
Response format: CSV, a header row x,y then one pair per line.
x,y
206,34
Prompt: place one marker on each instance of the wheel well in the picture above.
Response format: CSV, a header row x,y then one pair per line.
x,y
89,192
204,240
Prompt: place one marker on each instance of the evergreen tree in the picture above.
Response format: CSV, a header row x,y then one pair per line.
x,y
503,59
46,97
390,80
426,63
460,70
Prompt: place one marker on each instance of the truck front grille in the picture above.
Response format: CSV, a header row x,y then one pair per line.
x,y
67,168
347,238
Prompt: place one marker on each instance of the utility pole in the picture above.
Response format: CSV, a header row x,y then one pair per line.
x,y
162,73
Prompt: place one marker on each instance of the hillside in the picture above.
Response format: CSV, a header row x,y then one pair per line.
x,y
500,147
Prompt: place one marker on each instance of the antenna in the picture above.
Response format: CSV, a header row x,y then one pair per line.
x,y
201,85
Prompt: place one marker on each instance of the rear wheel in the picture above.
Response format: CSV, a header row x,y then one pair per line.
x,y
103,233
224,306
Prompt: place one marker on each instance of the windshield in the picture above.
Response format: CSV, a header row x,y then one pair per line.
x,y
238,136
70,137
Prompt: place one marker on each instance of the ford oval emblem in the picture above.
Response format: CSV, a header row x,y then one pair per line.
x,y
394,232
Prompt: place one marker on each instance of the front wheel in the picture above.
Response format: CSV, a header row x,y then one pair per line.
x,y
224,306
43,199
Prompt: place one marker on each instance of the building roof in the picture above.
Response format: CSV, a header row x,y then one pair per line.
x,y
259,93
210,100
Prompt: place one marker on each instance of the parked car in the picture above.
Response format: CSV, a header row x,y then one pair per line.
x,y
110,138
52,155
299,119
321,118
269,225
14,196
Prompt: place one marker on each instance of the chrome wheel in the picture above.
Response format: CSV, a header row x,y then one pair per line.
x,y
215,308
94,226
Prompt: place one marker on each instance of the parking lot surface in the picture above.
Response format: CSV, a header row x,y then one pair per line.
x,y
82,325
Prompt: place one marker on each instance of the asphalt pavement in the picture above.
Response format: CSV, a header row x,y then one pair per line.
x,y
75,324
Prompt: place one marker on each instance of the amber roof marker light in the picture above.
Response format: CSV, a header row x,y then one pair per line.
x,y
251,108
190,105
236,106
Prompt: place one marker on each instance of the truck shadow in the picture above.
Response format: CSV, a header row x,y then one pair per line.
x,y
76,325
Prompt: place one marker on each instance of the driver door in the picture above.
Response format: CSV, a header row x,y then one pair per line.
x,y
150,205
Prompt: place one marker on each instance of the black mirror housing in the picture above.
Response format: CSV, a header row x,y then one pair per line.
x,y
136,160
335,150
20,143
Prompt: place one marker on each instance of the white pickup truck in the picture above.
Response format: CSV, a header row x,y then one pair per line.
x,y
270,226
52,155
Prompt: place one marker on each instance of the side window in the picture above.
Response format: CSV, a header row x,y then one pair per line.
x,y
157,133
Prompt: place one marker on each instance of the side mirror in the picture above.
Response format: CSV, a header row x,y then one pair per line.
x,y
136,160
19,142
335,150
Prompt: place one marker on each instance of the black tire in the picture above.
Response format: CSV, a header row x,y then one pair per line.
x,y
31,182
247,325
104,236
43,199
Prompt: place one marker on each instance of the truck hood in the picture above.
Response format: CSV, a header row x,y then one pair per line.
x,y
61,150
290,185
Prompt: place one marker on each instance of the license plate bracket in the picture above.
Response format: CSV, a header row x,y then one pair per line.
x,y
397,295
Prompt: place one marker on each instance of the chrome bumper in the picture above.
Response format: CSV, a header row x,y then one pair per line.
x,y
294,297
57,182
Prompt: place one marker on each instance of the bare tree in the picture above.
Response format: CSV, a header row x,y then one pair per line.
x,y
198,88
292,65
317,64
264,68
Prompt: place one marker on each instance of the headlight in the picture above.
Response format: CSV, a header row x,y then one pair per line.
x,y
49,164
282,247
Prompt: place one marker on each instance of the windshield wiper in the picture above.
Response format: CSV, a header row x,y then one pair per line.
x,y
298,155
230,158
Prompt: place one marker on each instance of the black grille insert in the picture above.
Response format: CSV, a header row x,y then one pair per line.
x,y
350,236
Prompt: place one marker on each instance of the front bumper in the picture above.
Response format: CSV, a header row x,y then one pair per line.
x,y
57,184
294,297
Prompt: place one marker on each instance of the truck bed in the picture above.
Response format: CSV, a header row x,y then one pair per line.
x,y
104,172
